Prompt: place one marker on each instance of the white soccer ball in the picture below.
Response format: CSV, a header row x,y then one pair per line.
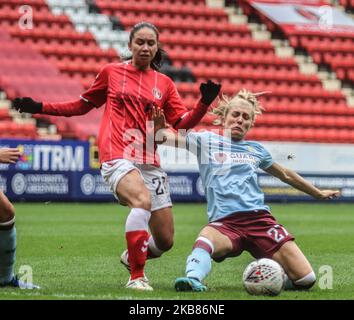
x,y
264,277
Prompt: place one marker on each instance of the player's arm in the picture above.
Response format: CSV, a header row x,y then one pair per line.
x,y
68,109
168,137
9,155
95,96
295,180
179,116
164,135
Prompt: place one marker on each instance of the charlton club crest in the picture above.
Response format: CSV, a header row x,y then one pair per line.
x,y
157,93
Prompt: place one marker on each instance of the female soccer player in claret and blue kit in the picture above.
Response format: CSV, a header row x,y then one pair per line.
x,y
238,218
130,90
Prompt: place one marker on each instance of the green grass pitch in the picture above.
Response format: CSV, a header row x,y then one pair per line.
x,y
74,250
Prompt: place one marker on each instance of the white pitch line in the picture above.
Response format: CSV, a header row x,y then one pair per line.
x,y
78,296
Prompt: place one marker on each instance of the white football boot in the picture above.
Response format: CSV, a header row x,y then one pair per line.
x,y
139,284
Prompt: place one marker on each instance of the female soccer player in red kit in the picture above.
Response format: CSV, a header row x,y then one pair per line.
x,y
130,90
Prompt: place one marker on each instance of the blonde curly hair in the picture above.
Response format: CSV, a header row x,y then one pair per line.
x,y
243,96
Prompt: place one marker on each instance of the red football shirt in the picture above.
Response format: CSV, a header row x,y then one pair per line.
x,y
129,93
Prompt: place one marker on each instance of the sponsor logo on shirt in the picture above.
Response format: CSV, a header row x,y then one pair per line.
x,y
234,157
157,93
240,157
220,157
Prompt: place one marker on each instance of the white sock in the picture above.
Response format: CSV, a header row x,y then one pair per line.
x,y
309,279
138,219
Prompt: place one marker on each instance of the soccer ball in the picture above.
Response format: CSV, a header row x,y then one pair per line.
x,y
264,277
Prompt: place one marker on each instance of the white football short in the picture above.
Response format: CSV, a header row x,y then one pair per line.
x,y
154,177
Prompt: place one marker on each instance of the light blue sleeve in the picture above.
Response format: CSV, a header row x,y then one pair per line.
x,y
194,141
267,159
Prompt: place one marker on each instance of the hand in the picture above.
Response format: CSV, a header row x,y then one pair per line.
x,y
27,105
209,91
328,194
158,116
9,155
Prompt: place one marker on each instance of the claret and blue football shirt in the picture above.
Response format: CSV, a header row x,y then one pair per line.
x,y
228,172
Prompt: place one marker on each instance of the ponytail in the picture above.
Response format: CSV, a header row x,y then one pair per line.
x,y
157,62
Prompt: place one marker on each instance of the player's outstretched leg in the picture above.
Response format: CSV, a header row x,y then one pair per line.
x,y
131,190
152,253
7,251
161,238
8,247
124,260
305,283
189,284
197,268
137,241
299,273
15,282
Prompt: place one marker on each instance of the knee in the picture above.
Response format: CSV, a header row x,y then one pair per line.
x,y
7,216
306,282
165,243
7,212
